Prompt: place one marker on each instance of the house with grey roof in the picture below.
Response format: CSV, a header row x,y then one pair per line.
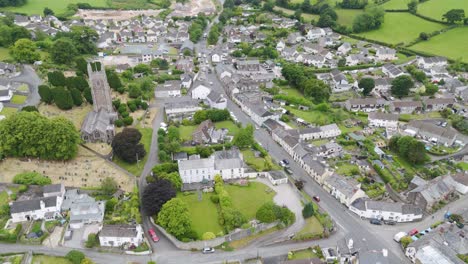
x,y
392,71
216,100
46,207
227,163
429,62
379,119
429,193
441,245
345,189
385,54
406,107
181,110
120,235
317,169
438,104
431,132
326,131
387,211
6,93
365,104
168,89
339,81
83,209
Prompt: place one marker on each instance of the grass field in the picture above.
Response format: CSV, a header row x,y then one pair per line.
x,y
347,169
450,44
8,111
203,213
186,132
312,226
18,99
137,168
258,163
436,8
5,54
307,17
346,16
395,29
233,128
42,259
59,6
248,199
303,254
396,4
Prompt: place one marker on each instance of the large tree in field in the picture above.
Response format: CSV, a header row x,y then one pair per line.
x,y
454,15
25,51
175,218
28,134
63,51
366,84
401,86
155,195
126,145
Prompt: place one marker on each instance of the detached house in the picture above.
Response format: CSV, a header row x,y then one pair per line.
x,y
429,62
344,48
339,81
216,100
120,235
385,54
200,92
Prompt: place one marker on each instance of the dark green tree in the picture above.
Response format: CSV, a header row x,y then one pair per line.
x,y
126,145
48,12
63,51
76,96
62,98
454,15
56,78
45,93
367,85
401,86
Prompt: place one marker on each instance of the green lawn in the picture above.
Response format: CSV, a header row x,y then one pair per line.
x,y
137,168
402,58
42,259
450,44
307,17
5,54
303,254
248,199
396,28
463,166
58,6
314,117
347,169
18,99
437,8
8,111
3,199
346,16
396,4
233,128
23,88
186,132
203,213
312,227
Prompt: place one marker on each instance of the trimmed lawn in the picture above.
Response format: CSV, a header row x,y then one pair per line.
x,y
233,128
346,16
395,29
314,117
3,199
437,8
463,166
248,199
43,259
8,111
18,99
291,92
303,254
402,58
312,226
137,168
450,44
5,54
396,4
58,6
204,213
186,132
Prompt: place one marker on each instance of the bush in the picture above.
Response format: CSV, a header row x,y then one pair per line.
x,y
267,213
92,241
31,178
75,256
208,236
214,198
308,210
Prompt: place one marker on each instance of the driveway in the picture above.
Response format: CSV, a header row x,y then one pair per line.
x,y
28,76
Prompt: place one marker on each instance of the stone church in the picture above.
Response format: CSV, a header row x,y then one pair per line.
x,y
98,125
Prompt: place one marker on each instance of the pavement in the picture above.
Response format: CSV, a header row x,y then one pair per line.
x,y
28,76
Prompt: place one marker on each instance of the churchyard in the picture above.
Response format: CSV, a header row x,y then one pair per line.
x,y
86,170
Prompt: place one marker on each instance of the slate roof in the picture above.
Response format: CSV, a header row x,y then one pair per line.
x,y
436,189
196,164
52,188
392,69
347,186
118,231
32,205
383,116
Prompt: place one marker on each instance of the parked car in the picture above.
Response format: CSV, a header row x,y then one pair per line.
x,y
375,222
285,161
316,198
208,250
398,236
153,235
288,171
413,232
390,222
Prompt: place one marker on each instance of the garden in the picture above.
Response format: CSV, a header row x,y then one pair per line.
x,y
137,167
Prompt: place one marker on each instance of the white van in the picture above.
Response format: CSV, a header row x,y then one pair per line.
x,y
398,236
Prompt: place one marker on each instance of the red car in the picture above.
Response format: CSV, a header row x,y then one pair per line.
x,y
413,232
153,235
316,198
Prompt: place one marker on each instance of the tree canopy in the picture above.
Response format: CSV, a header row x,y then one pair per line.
x,y
156,194
63,51
175,218
244,137
454,15
28,134
367,85
401,86
25,51
409,148
31,178
126,145
371,19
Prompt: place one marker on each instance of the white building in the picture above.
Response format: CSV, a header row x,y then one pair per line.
x,y
216,100
277,177
5,93
327,131
200,92
378,119
120,235
168,89
386,211
345,189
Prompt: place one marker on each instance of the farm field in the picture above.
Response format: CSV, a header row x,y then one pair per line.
x,y
449,44
436,8
396,4
37,6
346,16
395,28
